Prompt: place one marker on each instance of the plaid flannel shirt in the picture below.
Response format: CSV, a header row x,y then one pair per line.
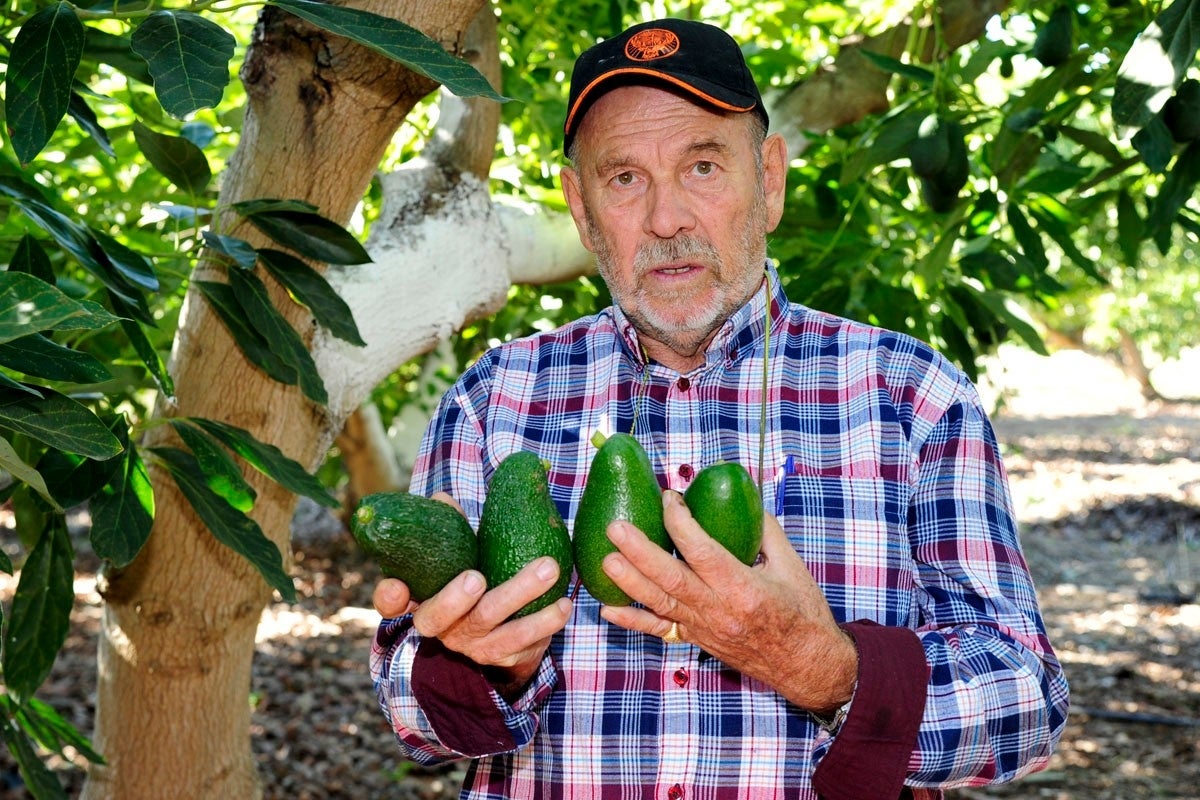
x,y
882,467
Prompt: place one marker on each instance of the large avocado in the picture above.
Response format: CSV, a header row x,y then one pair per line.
x,y
727,504
519,523
423,542
620,486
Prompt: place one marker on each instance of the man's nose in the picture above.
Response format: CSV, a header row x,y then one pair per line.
x,y
669,211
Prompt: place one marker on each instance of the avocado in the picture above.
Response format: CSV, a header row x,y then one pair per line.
x,y
1056,39
929,152
421,541
940,189
519,523
1181,112
725,502
620,485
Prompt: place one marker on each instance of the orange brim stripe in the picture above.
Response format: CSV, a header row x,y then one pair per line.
x,y
682,84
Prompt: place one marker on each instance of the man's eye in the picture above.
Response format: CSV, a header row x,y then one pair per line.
x,y
705,167
624,178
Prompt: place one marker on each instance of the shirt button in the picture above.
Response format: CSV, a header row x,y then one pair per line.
x,y
684,384
685,471
675,792
680,677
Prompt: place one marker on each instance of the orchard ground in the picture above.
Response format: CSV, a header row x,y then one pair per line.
x,y
1107,488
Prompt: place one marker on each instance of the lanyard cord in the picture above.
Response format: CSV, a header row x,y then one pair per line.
x,y
762,404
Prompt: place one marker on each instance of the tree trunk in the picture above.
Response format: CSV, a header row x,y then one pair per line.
x,y
177,636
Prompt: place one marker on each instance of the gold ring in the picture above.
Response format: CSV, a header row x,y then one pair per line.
x,y
672,636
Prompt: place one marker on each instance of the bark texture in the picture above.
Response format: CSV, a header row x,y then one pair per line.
x,y
178,631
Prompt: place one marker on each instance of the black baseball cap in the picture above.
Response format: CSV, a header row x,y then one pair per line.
x,y
699,59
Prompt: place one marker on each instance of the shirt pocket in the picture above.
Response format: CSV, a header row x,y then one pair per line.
x,y
852,531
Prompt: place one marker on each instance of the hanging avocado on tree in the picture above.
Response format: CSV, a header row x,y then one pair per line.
x,y
1181,112
1055,40
939,159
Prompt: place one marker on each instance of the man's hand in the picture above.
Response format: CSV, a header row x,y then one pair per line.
x,y
769,621
472,621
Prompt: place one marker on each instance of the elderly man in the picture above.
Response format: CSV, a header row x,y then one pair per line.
x,y
887,643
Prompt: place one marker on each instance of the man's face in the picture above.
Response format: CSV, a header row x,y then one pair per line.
x,y
675,201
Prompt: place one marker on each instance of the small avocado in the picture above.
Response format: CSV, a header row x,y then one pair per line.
x,y
1055,40
620,485
519,523
725,502
1181,112
929,151
421,541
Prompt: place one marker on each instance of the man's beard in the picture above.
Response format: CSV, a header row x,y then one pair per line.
x,y
687,326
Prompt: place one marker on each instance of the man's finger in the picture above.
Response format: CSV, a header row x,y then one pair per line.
x,y
704,554
451,604
530,583
391,598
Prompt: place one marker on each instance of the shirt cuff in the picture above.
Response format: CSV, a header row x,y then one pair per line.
x,y
869,757
458,701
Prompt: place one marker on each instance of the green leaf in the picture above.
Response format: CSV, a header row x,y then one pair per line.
x,y
231,527
188,57
149,355
283,340
41,68
29,305
12,463
6,567
1155,145
1024,120
1095,142
1156,63
1029,240
221,474
1000,306
1131,229
83,115
78,241
890,142
307,232
40,781
267,459
180,161
58,421
1059,228
43,358
238,250
41,611
74,479
888,64
13,383
30,257
123,510
398,42
310,288
1175,191
50,729
252,343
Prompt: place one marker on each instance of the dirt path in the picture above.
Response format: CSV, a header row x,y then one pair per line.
x,y
1108,491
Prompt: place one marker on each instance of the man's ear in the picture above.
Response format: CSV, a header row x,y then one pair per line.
x,y
775,167
573,192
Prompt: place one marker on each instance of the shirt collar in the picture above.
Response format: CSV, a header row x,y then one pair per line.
x,y
736,339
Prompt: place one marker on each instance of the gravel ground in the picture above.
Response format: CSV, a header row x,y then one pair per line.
x,y
1108,490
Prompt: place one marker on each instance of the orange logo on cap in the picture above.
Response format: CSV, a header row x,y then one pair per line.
x,y
650,44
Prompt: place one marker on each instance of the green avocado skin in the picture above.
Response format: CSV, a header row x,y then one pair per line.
x,y
519,523
725,502
421,541
620,486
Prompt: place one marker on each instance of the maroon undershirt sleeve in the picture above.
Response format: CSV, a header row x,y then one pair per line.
x,y
456,697
868,758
